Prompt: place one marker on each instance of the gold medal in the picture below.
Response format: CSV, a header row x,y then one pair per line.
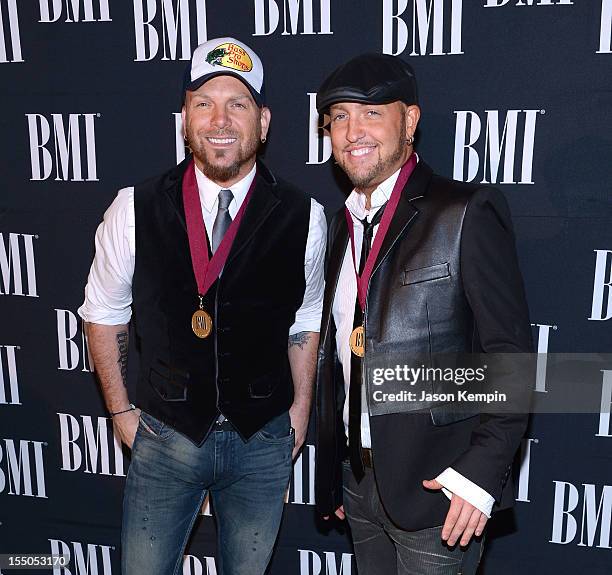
x,y
357,341
201,323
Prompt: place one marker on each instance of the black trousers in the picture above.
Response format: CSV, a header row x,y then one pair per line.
x,y
382,548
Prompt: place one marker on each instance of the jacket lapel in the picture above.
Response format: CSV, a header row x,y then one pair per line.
x,y
406,211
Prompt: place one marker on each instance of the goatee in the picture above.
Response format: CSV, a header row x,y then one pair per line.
x,y
219,172
365,180
213,162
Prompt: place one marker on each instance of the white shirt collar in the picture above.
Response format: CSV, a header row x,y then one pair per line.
x,y
356,201
209,190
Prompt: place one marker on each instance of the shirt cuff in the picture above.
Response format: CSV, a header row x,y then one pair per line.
x,y
313,324
103,316
454,482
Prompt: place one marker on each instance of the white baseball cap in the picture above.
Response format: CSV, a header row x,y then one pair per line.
x,y
226,57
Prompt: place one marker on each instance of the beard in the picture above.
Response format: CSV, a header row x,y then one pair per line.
x,y
365,179
214,164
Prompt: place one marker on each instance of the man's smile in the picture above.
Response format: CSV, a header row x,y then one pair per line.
x,y
221,141
360,150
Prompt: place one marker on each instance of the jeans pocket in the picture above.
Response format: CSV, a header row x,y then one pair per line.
x,y
277,430
154,428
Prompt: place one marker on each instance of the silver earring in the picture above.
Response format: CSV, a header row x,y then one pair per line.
x,y
410,140
263,140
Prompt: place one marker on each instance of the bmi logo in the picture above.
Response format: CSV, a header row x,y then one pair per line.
x,y
425,27
90,445
301,490
22,468
84,558
179,137
192,565
17,265
605,34
582,507
9,386
319,139
53,10
267,17
606,405
543,338
63,144
483,151
601,308
72,355
9,32
325,563
499,3
525,468
158,25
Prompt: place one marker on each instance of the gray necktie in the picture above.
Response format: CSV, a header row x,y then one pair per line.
x,y
223,219
222,222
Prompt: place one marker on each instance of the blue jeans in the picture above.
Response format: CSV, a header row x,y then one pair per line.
x,y
169,478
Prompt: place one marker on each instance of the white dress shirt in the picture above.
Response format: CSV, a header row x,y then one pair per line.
x,y
108,293
343,309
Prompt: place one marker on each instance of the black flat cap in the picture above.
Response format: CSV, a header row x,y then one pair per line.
x,y
370,79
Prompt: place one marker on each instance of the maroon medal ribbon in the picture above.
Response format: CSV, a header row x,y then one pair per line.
x,y
364,279
206,270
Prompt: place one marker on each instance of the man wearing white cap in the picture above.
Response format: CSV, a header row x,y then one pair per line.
x,y
216,263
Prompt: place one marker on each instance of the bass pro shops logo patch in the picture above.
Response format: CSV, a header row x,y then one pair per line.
x,y
230,56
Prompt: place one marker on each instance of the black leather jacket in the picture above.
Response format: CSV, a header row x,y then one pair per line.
x,y
445,281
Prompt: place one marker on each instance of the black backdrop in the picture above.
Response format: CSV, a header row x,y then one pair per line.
x,y
514,92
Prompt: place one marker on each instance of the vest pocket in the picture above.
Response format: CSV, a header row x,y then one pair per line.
x,y
262,389
168,388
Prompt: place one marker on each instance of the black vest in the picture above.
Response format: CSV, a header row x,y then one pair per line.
x,y
242,368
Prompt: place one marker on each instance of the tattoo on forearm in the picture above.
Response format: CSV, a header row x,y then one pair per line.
x,y
122,344
299,339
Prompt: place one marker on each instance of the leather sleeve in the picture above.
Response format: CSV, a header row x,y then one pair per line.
x,y
494,289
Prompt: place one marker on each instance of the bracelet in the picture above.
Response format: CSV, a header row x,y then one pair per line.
x,y
131,408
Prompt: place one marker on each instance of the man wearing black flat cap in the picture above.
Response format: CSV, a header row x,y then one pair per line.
x,y
418,266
